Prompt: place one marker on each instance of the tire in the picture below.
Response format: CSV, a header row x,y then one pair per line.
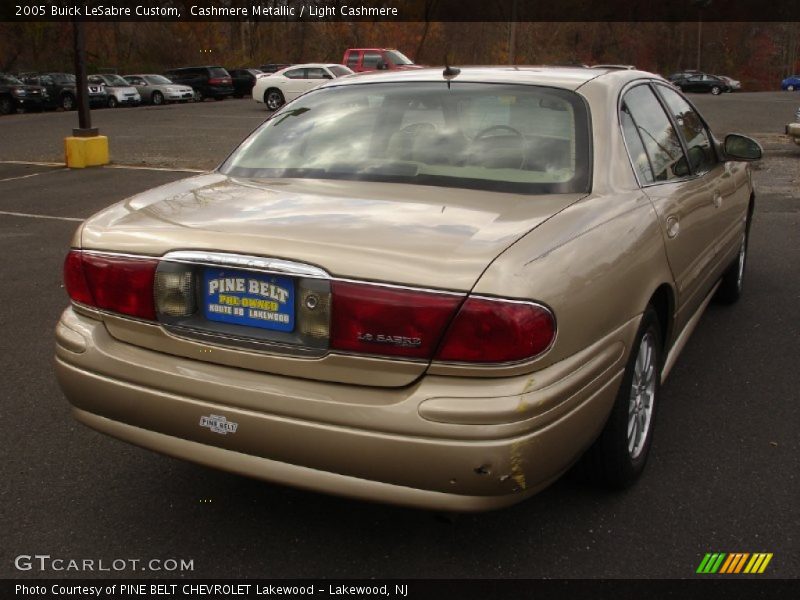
x,y
789,88
6,105
67,102
219,98
157,98
198,96
618,456
274,99
730,288
112,102
715,90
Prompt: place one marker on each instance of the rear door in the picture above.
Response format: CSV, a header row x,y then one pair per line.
x,y
683,199
296,83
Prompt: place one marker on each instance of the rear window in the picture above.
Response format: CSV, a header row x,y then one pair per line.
x,y
339,71
217,72
513,138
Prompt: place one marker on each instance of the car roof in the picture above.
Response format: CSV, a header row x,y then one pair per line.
x,y
569,78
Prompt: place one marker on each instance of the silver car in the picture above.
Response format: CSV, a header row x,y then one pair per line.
x,y
157,89
118,90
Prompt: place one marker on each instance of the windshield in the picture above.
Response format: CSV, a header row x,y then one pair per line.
x,y
398,57
9,79
511,138
157,80
114,80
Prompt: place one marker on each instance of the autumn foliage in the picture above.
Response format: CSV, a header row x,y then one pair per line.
x,y
758,54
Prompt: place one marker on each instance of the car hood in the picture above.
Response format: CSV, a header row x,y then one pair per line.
x,y
414,235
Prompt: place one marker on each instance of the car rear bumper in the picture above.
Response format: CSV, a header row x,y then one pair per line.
x,y
444,443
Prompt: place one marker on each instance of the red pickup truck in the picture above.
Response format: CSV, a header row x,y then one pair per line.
x,y
377,59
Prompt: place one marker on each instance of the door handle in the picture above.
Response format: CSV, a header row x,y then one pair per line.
x,y
673,227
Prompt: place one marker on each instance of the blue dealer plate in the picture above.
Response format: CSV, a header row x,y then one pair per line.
x,y
248,299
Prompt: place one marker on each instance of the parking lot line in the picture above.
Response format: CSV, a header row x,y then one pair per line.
x,y
26,176
30,216
130,167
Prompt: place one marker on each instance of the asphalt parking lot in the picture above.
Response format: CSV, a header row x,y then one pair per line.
x,y
722,477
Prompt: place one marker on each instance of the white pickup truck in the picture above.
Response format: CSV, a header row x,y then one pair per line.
x,y
793,129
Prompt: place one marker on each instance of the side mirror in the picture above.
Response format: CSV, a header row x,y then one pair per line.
x,y
741,147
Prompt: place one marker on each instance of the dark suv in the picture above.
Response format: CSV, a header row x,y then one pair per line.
x,y
207,82
15,94
62,91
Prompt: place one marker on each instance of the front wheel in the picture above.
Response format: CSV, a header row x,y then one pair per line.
x,y
112,102
157,98
67,102
274,99
789,88
6,105
618,456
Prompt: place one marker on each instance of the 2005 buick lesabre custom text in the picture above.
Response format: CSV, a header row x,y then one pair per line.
x,y
430,288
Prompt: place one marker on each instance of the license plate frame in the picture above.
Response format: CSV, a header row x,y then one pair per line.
x,y
249,299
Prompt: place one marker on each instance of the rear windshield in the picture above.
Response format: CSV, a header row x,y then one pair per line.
x,y
515,138
217,72
339,71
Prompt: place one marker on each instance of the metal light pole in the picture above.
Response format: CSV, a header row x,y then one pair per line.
x,y
700,4
84,116
512,35
85,147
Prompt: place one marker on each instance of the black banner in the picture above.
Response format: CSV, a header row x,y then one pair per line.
x,y
401,10
707,588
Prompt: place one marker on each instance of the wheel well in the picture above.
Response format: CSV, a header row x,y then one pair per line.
x,y
664,303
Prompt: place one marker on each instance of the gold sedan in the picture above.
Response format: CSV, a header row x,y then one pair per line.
x,y
434,288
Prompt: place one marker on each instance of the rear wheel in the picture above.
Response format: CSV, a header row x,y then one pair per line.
x,y
730,288
790,88
274,99
157,98
618,456
198,96
716,90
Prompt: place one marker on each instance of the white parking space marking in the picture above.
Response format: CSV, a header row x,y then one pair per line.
x,y
30,216
28,162
131,167
28,175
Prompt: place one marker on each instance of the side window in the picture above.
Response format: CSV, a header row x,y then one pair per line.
x,y
295,74
352,59
661,142
316,73
702,156
641,164
371,60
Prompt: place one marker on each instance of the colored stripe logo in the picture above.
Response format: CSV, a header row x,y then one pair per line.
x,y
734,563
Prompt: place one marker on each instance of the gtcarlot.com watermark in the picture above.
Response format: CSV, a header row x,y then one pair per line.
x,y
48,563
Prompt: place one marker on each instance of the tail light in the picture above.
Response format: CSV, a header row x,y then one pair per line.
x,y
119,284
348,316
487,330
373,319
219,81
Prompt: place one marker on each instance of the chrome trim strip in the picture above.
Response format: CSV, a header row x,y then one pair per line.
x,y
252,263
